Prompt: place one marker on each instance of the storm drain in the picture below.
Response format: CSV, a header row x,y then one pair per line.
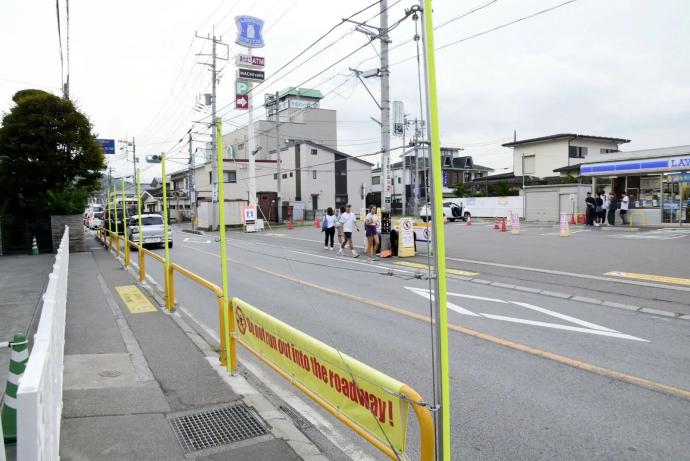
x,y
298,420
220,426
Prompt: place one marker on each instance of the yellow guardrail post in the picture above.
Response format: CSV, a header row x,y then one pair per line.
x,y
426,424
142,269
228,313
124,224
117,231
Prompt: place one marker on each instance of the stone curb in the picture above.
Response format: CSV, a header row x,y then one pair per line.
x,y
583,299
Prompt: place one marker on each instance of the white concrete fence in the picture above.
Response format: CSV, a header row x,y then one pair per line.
x,y
39,396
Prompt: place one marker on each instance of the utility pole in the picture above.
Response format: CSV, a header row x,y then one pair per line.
x,y
214,80
134,160
191,181
279,178
385,117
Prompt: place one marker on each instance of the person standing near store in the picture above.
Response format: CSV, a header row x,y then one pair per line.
x,y
625,203
598,210
613,206
328,228
591,205
349,221
371,232
339,225
604,206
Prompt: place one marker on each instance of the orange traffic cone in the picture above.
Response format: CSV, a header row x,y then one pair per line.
x,y
584,219
290,225
316,223
503,225
496,224
469,220
572,218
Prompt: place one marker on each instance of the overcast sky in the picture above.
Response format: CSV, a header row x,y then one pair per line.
x,y
615,68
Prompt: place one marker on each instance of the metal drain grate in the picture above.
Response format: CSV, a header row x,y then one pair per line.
x,y
299,421
220,426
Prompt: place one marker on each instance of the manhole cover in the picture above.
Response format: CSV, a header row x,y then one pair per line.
x,y
109,373
221,426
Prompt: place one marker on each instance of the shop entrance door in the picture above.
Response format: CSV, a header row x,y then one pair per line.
x,y
685,202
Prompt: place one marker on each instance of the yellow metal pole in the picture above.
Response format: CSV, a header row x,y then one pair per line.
x,y
124,224
110,227
117,232
441,340
228,313
142,269
169,301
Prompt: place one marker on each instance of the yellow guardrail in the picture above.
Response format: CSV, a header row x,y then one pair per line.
x,y
397,390
637,213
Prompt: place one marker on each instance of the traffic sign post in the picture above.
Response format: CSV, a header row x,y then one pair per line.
x,y
253,62
249,218
241,102
251,74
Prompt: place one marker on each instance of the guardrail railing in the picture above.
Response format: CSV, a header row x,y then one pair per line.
x,y
39,395
375,406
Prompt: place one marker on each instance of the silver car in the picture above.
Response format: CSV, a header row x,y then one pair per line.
x,y
152,230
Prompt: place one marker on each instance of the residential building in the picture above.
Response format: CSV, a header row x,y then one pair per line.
x,y
455,168
539,157
301,117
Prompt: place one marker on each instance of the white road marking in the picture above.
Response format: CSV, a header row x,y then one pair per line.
x,y
587,327
567,318
576,231
195,240
563,327
598,278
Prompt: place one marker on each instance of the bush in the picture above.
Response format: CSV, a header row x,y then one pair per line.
x,y
68,201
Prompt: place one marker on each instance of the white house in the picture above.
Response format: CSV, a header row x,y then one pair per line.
x,y
541,156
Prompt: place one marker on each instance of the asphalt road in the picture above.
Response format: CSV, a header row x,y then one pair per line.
x,y
518,387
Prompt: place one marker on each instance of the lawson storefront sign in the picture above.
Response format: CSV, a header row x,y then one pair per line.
x,y
642,166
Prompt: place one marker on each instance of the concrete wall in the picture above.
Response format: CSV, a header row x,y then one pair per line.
x,y
76,231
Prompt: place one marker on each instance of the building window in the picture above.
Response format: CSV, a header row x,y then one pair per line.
x,y
313,152
229,176
340,200
284,175
240,146
210,177
528,164
291,174
608,151
313,174
275,175
376,180
577,152
399,179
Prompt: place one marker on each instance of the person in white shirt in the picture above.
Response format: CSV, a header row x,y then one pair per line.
x,y
349,221
328,226
625,202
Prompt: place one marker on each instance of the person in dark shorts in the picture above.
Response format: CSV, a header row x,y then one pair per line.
x,y
371,233
349,221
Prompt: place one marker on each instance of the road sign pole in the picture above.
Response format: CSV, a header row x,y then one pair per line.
x,y
251,142
441,368
142,273
169,302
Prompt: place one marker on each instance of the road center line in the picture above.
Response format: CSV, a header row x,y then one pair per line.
x,y
598,278
562,359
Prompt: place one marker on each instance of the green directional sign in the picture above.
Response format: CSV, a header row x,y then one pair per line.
x,y
242,87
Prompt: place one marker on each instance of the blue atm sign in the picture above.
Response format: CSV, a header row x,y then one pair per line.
x,y
108,146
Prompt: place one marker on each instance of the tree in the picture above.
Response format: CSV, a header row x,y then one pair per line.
x,y
48,155
462,190
501,189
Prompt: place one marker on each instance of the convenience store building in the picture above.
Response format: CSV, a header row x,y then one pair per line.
x,y
657,182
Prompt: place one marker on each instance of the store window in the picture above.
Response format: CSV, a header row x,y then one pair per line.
x,y
649,195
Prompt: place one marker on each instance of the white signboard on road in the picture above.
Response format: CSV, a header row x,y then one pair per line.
x,y
407,232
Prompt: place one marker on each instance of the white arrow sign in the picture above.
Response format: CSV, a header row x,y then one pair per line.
x,y
585,327
193,240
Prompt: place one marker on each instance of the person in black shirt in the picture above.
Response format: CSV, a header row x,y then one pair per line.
x,y
613,206
591,206
599,209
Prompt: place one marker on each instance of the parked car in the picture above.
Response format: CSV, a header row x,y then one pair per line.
x,y
95,221
152,230
451,211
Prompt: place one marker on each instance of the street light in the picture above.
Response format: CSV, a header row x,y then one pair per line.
x,y
169,303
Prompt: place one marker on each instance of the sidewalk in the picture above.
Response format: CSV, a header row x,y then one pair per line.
x,y
128,376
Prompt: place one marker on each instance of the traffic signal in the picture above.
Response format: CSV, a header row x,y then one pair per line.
x,y
153,158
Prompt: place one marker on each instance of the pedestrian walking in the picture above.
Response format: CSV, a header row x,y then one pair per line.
x,y
339,225
625,203
599,209
328,226
591,206
371,232
349,222
613,206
